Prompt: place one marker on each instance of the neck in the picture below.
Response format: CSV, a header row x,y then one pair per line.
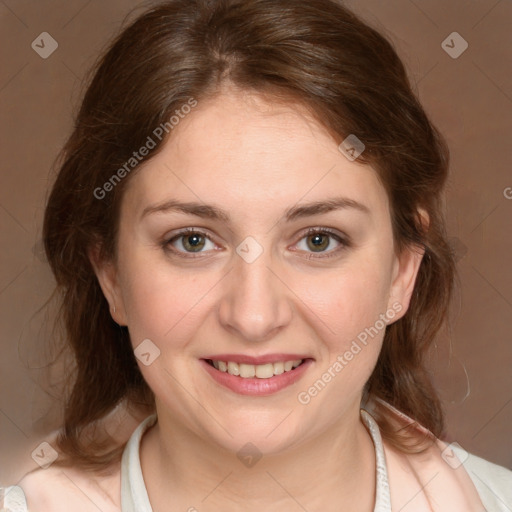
x,y
331,472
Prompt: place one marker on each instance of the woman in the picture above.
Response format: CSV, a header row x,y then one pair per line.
x,y
247,232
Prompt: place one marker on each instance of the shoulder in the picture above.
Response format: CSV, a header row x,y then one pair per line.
x,y
445,472
58,489
493,482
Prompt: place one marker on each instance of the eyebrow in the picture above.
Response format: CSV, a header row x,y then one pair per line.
x,y
206,211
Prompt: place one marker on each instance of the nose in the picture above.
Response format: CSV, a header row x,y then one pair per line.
x,y
256,303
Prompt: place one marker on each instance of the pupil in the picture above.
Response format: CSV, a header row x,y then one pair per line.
x,y
319,241
194,242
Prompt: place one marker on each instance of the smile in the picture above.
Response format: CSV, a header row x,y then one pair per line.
x,y
256,379
260,371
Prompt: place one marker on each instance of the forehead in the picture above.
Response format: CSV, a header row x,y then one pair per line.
x,y
246,150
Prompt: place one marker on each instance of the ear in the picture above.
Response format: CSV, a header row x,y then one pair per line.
x,y
107,275
405,271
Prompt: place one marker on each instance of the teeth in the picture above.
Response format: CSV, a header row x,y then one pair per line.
x,y
233,368
261,371
264,371
278,368
247,371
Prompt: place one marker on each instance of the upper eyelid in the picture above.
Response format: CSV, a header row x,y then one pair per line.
x,y
186,231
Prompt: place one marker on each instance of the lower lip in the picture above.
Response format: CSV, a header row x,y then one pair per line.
x,y
255,386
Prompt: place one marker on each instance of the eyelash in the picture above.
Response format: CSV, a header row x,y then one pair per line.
x,y
343,240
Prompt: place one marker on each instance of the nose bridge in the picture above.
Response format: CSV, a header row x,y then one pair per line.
x,y
255,302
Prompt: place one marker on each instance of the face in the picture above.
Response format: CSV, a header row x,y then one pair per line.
x,y
250,238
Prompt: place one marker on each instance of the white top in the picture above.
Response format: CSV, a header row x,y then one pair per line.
x,y
134,496
493,482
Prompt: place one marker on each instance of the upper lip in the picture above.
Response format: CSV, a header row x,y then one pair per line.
x,y
245,359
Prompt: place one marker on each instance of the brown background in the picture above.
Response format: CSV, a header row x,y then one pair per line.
x,y
470,100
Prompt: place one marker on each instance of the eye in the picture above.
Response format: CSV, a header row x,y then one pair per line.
x,y
190,241
322,240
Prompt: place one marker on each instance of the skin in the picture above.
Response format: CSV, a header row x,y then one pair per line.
x,y
254,159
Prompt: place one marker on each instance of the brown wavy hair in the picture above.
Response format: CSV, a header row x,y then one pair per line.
x,y
317,54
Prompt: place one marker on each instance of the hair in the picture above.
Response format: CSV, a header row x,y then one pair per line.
x,y
318,55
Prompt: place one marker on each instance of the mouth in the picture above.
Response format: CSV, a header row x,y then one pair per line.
x,y
263,379
259,371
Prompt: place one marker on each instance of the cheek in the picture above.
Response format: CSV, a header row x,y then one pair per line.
x,y
352,318
162,304
349,300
